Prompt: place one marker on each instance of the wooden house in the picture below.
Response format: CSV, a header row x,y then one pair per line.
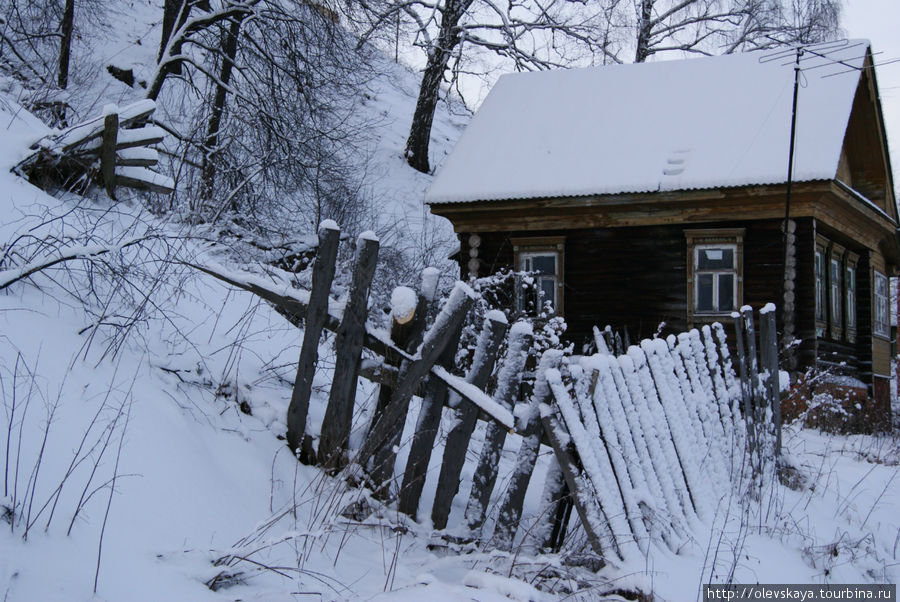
x,y
653,197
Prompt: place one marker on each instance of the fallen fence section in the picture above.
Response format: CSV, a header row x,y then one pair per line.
x,y
672,435
118,142
646,442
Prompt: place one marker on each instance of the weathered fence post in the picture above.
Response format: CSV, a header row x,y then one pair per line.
x,y
768,338
108,152
407,325
511,508
752,357
380,442
433,400
323,274
508,381
492,333
348,342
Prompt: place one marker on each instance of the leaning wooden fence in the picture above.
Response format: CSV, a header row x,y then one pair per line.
x,y
645,443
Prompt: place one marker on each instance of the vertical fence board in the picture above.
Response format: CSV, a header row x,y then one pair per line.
x,y
403,334
427,425
454,458
384,435
108,153
596,527
317,312
348,342
508,381
511,507
769,341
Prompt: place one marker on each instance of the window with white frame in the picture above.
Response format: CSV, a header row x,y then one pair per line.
x,y
544,269
882,324
850,298
543,259
821,300
714,271
715,278
834,287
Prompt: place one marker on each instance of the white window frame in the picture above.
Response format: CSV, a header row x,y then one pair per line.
x,y
820,275
542,246
714,238
716,281
881,295
850,279
836,290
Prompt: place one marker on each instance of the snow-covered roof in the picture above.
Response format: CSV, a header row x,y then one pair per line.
x,y
670,125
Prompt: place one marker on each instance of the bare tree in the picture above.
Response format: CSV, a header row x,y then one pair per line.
x,y
724,26
540,35
530,34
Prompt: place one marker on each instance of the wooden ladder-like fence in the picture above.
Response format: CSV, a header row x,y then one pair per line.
x,y
668,416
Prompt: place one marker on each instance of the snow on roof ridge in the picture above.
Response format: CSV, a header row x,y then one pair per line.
x,y
563,133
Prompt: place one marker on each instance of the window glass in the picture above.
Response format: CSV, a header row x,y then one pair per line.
x,y
548,287
543,291
882,309
705,292
543,264
715,277
715,258
835,281
820,285
726,291
850,294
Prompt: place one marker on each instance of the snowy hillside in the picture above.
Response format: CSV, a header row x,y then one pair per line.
x,y
144,404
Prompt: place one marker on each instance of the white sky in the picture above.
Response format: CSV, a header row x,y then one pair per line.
x,y
879,21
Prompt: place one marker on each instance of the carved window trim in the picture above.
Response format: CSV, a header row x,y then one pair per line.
x,y
538,246
706,238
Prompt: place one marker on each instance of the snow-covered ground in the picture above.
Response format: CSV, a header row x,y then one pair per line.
x,y
132,468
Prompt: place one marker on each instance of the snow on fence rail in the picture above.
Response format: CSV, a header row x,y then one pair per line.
x,y
113,148
643,440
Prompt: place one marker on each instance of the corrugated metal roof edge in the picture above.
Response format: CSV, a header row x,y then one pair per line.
x,y
623,192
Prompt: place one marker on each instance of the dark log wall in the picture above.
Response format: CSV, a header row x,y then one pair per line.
x,y
625,277
635,277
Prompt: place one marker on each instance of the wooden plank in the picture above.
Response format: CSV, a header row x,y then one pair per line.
x,y
513,501
108,154
317,313
746,393
454,457
427,426
348,343
143,136
142,178
90,130
586,505
769,341
137,157
508,381
379,446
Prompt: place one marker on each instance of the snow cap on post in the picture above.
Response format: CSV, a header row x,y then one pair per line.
x,y
430,278
521,328
369,235
328,224
403,304
495,315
